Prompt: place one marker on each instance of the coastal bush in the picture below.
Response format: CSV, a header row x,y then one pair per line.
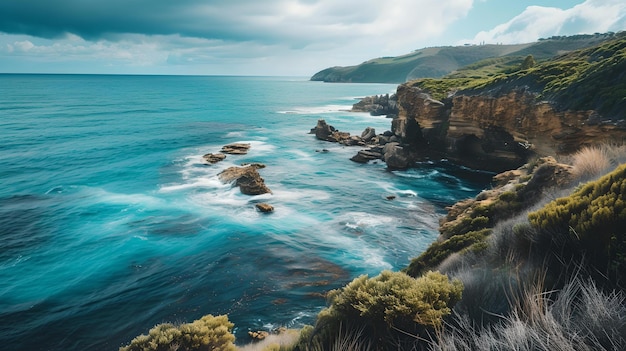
x,y
439,251
389,307
207,333
590,223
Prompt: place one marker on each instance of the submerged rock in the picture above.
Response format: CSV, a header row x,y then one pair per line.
x,y
265,207
214,158
246,178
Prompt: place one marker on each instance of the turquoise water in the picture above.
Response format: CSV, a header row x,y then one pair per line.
x,y
110,223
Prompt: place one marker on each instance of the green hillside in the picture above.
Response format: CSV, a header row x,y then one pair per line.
x,y
593,78
437,62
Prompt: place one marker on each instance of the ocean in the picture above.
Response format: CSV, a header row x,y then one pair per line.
x,y
110,222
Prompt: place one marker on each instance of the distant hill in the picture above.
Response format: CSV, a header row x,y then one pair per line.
x,y
436,62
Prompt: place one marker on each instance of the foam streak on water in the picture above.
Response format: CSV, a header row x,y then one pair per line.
x,y
110,221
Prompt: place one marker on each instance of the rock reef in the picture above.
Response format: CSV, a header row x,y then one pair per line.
x,y
247,178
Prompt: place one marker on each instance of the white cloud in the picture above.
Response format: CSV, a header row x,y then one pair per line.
x,y
536,22
298,37
294,37
23,46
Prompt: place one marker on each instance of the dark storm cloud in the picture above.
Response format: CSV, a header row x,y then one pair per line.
x,y
96,19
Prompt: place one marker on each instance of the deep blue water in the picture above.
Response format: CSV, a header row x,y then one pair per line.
x,y
110,223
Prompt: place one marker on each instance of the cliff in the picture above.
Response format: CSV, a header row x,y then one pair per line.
x,y
498,122
495,132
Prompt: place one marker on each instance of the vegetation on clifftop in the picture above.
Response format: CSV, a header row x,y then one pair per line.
x,y
588,79
389,309
207,333
437,62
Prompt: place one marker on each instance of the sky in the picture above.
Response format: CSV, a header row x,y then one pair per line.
x,y
270,37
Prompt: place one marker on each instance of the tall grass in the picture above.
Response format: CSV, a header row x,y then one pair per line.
x,y
578,317
591,162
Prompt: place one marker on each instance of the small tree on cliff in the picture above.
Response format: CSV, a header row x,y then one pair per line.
x,y
529,62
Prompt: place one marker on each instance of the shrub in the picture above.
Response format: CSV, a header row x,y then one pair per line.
x,y
207,333
590,223
439,251
390,305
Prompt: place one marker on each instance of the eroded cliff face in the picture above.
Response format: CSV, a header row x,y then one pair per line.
x,y
495,132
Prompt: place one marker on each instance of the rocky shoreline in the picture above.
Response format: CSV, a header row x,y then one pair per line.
x,y
493,131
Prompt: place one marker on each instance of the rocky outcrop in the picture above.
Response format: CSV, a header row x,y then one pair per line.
x,y
378,105
469,223
214,158
512,191
381,147
326,132
494,131
246,178
396,156
264,207
236,149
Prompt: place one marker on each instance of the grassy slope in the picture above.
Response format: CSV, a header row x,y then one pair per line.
x,y
591,78
437,62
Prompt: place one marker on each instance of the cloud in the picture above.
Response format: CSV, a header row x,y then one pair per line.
x,y
210,32
591,16
298,23
296,37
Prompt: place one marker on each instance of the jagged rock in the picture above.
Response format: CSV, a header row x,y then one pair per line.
x,y
377,105
323,131
265,208
213,158
395,156
253,164
368,134
236,149
352,141
326,132
246,178
364,156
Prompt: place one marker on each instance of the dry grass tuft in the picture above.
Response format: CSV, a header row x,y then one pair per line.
x,y
591,162
578,317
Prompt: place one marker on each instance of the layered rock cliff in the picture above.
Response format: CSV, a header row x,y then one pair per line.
x,y
495,131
